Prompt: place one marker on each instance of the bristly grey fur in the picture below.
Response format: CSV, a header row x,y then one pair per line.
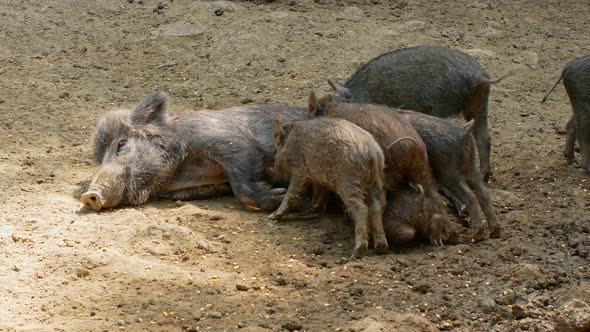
x,y
159,147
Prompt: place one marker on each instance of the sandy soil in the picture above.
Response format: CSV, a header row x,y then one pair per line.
x,y
209,265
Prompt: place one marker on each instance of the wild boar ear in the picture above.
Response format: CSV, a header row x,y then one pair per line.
x,y
280,131
342,92
152,109
314,106
420,191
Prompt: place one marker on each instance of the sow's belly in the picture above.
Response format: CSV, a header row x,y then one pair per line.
x,y
192,181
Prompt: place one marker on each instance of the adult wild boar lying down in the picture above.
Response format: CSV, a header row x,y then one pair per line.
x,y
150,152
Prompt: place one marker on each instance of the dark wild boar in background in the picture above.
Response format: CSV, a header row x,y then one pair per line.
x,y
576,79
435,80
451,153
340,157
150,152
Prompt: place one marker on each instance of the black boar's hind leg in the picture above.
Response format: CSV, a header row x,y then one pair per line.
x,y
464,193
484,142
477,108
456,204
295,190
475,182
570,141
582,114
246,185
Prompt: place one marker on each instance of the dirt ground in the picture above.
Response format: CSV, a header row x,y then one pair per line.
x,y
210,266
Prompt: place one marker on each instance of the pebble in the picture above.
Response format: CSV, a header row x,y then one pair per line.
x,y
198,315
292,325
218,11
203,245
519,312
486,304
317,250
242,288
215,314
423,289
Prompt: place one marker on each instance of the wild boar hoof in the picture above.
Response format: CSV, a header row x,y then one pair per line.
x,y
274,216
278,191
487,175
316,209
437,242
359,250
495,232
380,244
479,235
573,163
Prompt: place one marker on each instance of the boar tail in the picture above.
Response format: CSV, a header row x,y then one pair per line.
x,y
551,90
399,140
377,166
497,80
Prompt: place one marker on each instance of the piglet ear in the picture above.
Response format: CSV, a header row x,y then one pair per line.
x,y
280,131
277,131
153,110
313,107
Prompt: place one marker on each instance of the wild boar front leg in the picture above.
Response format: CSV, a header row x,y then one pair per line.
x,y
246,185
295,190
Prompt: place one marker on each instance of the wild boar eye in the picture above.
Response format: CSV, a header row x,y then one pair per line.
x,y
121,144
